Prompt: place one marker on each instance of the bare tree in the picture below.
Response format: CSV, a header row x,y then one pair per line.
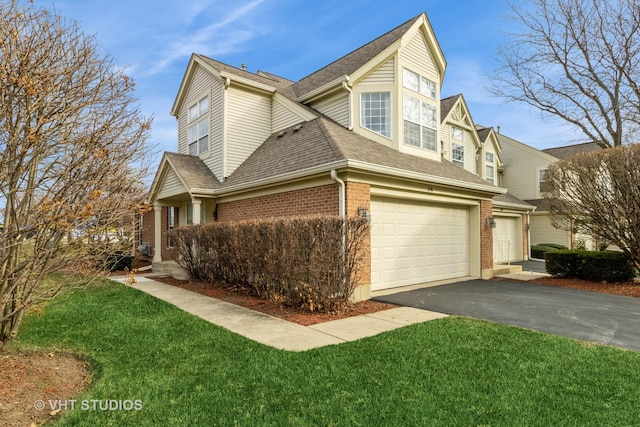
x,y
72,150
578,60
598,193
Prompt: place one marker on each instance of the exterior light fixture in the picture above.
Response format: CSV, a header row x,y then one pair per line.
x,y
364,213
491,222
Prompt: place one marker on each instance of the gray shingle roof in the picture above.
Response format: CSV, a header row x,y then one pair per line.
x,y
322,141
510,198
192,170
447,104
352,61
281,84
571,150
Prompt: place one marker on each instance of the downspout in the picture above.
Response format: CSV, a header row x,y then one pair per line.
x,y
341,193
227,83
345,86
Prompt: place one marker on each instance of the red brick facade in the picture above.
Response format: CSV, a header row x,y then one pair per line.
x,y
359,195
321,200
486,235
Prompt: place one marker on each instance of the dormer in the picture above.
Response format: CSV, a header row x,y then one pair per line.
x,y
489,162
459,142
388,90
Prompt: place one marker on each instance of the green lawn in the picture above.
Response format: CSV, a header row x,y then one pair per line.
x,y
454,371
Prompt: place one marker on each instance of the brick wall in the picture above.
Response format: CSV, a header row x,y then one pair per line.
x,y
525,237
486,235
358,194
322,200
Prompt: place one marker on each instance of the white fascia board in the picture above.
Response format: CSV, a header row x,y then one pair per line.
x,y
498,204
247,82
299,174
401,173
327,87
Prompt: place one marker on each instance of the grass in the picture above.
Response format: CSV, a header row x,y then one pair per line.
x,y
453,371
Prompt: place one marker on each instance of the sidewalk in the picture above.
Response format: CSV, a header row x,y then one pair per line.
x,y
276,332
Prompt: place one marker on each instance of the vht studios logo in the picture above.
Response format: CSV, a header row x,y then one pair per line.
x,y
88,405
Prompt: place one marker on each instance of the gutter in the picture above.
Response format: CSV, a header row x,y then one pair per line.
x,y
346,86
341,193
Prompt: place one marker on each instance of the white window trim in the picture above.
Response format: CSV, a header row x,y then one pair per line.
x,y
538,180
490,164
460,148
388,118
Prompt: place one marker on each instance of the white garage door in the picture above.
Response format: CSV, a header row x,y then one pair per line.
x,y
507,245
416,242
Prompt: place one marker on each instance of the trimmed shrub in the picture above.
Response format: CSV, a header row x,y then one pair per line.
x,y
595,266
607,266
561,262
538,251
310,263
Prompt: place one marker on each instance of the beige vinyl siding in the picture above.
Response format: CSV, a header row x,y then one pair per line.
x,y
200,87
543,232
521,165
248,125
469,152
171,186
469,146
336,108
283,117
214,160
383,74
416,56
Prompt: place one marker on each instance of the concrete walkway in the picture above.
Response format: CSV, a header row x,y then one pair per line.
x,y
276,332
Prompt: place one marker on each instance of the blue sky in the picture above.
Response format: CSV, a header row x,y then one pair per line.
x,y
293,38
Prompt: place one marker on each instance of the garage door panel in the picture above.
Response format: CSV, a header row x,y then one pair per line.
x,y
429,242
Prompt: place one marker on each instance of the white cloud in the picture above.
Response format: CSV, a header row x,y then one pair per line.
x,y
222,36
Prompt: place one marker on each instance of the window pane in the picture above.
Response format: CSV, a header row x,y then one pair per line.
x,y
429,118
204,106
193,148
411,133
458,154
488,157
457,134
203,144
203,129
376,112
429,139
193,113
410,80
490,174
427,88
193,133
411,108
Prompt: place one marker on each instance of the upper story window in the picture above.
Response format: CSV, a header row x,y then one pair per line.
x,y
542,180
489,168
420,123
457,154
198,109
457,134
418,83
198,133
375,112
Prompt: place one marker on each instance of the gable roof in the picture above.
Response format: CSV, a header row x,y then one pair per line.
x,y
322,142
571,150
192,172
355,60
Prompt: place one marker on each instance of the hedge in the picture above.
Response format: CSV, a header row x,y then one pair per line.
x,y
539,250
609,266
312,263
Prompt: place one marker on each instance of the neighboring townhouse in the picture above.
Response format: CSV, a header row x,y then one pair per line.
x,y
365,135
523,172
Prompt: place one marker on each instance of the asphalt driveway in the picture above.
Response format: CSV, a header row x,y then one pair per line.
x,y
590,316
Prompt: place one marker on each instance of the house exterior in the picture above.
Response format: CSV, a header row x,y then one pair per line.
x,y
367,133
523,173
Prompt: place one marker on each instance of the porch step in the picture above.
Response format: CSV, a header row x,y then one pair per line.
x,y
499,269
170,268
